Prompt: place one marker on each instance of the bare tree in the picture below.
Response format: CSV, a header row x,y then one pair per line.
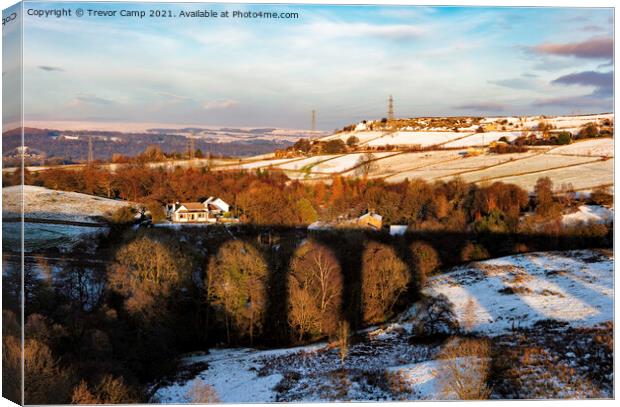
x,y
315,291
366,164
464,369
148,269
202,393
469,315
236,282
425,259
436,316
384,278
109,390
343,340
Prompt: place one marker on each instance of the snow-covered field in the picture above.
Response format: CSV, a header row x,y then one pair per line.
x,y
603,147
306,163
526,165
589,214
482,139
422,138
262,164
583,177
410,161
517,291
514,292
363,136
44,203
343,163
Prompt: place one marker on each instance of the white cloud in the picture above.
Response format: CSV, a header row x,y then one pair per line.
x,y
219,104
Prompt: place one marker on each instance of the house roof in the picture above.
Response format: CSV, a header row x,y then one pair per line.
x,y
192,206
217,202
375,216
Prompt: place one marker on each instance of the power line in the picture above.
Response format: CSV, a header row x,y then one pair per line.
x,y
390,108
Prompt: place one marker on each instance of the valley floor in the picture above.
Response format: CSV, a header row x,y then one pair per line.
x,y
548,316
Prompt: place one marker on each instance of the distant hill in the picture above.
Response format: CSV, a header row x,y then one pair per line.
x,y
72,146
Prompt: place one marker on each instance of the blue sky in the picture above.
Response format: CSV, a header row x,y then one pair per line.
x,y
342,61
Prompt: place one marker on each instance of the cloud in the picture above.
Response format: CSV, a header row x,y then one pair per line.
x,y
219,104
172,96
594,48
381,31
89,99
573,102
602,81
529,75
515,83
593,28
51,68
481,107
600,98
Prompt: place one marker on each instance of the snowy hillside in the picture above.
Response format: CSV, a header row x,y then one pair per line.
x,y
571,290
44,203
421,132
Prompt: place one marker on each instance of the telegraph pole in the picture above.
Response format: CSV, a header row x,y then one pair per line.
x,y
313,120
190,148
91,155
390,108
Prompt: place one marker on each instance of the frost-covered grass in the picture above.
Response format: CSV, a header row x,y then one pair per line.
x,y
43,236
553,295
44,203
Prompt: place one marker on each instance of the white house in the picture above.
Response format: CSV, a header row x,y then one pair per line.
x,y
208,211
192,212
217,204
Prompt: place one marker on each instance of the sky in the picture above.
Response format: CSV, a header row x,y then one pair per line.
x,y
342,61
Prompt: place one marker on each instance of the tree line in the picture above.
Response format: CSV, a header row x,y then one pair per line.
x,y
269,197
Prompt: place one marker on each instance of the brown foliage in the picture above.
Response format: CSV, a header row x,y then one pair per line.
x,y
474,251
148,269
202,393
109,390
237,283
384,278
545,206
45,382
425,260
464,371
123,215
315,291
11,368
